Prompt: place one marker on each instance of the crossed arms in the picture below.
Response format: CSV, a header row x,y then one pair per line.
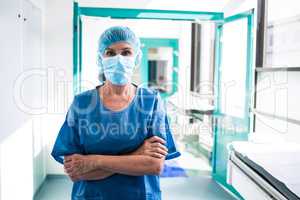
x,y
147,159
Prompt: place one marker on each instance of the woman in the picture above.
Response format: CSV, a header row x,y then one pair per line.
x,y
116,137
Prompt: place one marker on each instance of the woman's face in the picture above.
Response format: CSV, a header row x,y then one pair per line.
x,y
122,48
118,69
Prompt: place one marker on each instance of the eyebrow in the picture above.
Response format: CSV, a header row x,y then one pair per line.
x,y
126,48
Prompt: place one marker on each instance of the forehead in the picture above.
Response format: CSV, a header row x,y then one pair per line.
x,y
119,46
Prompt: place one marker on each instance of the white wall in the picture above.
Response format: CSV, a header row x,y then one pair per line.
x,y
21,148
276,92
59,64
11,28
276,11
17,164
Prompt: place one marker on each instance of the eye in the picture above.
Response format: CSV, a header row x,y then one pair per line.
x,y
110,53
126,53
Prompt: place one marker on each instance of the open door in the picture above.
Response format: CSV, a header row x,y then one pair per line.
x,y
233,80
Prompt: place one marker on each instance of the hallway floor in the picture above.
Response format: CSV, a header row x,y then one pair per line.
x,y
191,188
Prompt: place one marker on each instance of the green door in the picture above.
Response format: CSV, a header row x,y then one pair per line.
x,y
233,80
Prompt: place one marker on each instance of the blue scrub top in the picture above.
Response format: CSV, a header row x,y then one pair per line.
x,y
91,128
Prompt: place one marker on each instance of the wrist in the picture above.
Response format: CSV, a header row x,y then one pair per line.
x,y
95,162
98,162
133,153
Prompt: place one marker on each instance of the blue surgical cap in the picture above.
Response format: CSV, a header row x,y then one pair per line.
x,y
119,34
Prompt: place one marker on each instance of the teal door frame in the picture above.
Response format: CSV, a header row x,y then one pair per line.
x,y
120,13
155,43
224,135
117,13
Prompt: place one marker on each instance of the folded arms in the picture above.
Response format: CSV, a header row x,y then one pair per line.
x,y
147,159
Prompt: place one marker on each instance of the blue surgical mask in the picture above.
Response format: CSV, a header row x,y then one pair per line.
x,y
118,69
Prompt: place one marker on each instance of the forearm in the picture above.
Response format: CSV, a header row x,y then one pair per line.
x,y
99,174
96,175
134,165
147,159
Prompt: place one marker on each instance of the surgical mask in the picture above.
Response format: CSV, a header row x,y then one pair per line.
x,y
118,69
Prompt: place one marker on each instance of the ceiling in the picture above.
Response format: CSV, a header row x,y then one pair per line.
x,y
190,5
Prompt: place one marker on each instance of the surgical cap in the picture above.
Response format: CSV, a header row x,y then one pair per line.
x,y
119,34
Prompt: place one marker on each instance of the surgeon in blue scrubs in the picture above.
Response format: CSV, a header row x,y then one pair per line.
x,y
116,137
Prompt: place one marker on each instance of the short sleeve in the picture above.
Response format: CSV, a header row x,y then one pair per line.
x,y
67,141
160,127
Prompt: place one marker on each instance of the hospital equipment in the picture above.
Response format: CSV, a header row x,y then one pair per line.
x,y
265,171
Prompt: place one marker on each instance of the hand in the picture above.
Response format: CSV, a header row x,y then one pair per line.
x,y
154,147
77,165
92,175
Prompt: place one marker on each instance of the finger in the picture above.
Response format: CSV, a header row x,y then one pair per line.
x,y
67,159
71,157
74,178
157,155
69,171
160,151
79,166
156,139
68,165
74,173
159,145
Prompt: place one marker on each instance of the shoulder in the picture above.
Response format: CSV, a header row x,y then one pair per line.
x,y
150,98
86,99
85,95
149,95
148,92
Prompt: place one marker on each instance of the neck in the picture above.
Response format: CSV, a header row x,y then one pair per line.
x,y
120,90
